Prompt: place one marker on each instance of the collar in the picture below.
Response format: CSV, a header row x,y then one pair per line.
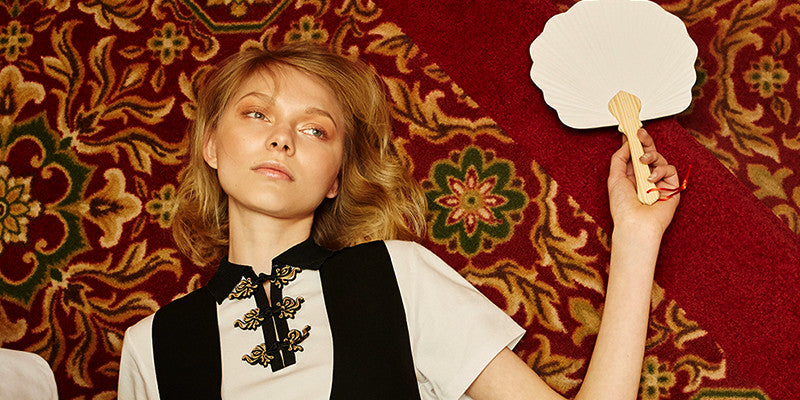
x,y
304,255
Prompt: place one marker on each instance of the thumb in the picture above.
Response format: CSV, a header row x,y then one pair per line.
x,y
619,163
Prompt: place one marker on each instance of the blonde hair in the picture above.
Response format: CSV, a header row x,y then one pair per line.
x,y
378,198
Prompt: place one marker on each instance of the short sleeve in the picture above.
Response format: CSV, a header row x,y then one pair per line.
x,y
25,375
455,330
136,366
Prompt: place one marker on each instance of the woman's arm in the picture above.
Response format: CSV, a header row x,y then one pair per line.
x,y
616,364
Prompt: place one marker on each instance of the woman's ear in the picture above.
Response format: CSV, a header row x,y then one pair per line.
x,y
334,189
210,149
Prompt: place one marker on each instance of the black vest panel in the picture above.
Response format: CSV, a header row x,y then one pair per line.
x,y
186,348
371,348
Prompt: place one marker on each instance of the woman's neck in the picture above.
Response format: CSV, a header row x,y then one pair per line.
x,y
256,240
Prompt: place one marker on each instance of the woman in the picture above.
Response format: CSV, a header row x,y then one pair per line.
x,y
294,185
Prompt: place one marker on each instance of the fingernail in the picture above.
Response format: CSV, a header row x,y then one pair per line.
x,y
651,177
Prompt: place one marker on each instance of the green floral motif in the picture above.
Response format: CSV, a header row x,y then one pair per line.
x,y
16,207
656,379
168,43
767,76
14,40
52,163
307,29
163,205
475,199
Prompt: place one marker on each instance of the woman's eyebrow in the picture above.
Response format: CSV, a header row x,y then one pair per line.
x,y
264,96
321,112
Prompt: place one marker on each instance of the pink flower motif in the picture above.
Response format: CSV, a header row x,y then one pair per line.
x,y
472,201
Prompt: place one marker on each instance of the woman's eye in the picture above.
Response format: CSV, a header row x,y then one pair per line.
x,y
256,115
316,132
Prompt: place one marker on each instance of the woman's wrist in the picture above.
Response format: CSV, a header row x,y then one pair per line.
x,y
635,251
637,231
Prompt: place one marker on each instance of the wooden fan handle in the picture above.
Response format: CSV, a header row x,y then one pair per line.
x,y
625,108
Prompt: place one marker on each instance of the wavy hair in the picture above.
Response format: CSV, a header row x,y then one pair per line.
x,y
378,198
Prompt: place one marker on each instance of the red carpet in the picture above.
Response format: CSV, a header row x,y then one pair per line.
x,y
97,96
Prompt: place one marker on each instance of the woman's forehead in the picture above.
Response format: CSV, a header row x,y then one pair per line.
x,y
271,81
278,77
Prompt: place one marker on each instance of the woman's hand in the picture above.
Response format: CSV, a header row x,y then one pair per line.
x,y
626,210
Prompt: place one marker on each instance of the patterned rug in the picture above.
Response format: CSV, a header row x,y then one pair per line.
x,y
97,95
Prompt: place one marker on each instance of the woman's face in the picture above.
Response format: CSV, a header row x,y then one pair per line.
x,y
278,145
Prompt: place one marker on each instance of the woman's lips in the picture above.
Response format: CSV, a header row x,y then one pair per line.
x,y
273,170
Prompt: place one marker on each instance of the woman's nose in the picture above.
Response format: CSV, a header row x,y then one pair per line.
x,y
279,145
281,140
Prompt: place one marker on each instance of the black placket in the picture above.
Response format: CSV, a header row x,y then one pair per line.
x,y
273,328
268,325
285,356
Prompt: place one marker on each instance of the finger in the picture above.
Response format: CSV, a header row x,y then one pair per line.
x,y
627,155
648,144
619,162
671,177
666,172
653,158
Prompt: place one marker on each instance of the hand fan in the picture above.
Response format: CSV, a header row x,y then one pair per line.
x,y
615,62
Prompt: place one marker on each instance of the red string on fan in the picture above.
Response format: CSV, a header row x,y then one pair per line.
x,y
675,191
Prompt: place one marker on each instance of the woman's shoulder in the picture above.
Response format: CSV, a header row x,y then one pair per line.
x,y
390,245
405,245
140,331
412,261
396,251
414,254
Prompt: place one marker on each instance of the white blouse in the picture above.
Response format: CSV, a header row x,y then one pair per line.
x,y
454,332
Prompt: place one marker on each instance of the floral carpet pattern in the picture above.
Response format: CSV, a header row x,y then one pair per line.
x,y
96,97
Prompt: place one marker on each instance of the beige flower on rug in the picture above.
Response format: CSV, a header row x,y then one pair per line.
x,y
14,40
163,206
238,8
767,76
168,43
16,207
656,379
307,29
